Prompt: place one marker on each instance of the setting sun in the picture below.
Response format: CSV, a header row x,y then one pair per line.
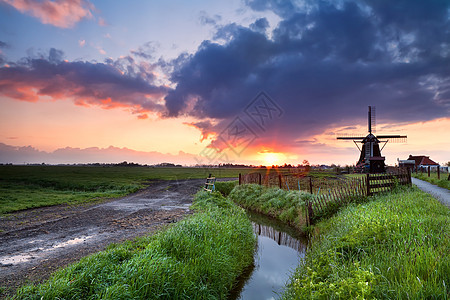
x,y
272,158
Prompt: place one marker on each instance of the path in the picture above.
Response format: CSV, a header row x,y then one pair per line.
x,y
36,242
443,195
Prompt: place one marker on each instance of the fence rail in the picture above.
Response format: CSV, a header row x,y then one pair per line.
x,y
326,191
210,184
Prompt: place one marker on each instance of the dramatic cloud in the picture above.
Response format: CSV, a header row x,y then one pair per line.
x,y
322,64
59,13
206,128
2,58
119,83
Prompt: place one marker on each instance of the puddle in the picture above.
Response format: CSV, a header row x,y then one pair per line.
x,y
280,249
9,260
172,207
14,259
71,242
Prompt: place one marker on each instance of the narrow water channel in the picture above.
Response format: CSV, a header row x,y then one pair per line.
x,y
280,249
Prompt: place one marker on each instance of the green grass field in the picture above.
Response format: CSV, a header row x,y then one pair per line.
x,y
443,182
393,247
23,187
197,258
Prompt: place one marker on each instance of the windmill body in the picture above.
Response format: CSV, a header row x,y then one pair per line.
x,y
370,159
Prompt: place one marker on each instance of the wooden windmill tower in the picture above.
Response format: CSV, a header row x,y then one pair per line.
x,y
370,160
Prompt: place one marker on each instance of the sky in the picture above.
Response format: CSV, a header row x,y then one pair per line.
x,y
207,82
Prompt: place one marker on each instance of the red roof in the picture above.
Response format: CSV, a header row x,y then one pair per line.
x,y
423,160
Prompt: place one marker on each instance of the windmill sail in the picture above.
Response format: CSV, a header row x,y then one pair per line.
x,y
370,159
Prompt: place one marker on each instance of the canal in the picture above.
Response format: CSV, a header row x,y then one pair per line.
x,y
279,251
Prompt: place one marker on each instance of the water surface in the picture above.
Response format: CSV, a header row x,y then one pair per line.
x,y
280,249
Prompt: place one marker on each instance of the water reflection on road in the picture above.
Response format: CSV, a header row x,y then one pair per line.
x,y
280,250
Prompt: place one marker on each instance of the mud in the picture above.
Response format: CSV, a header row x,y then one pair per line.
x,y
34,243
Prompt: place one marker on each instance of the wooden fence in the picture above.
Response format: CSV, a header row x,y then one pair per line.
x,y
334,190
210,184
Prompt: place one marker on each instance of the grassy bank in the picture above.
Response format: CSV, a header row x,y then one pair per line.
x,y
394,247
189,260
23,187
287,206
433,179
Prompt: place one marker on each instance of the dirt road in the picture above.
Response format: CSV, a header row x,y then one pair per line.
x,y
443,195
34,243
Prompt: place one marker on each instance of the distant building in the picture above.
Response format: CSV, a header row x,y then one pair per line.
x,y
417,162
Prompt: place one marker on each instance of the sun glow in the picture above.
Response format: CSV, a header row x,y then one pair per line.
x,y
272,158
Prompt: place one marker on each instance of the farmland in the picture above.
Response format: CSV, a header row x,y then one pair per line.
x,y
391,245
23,187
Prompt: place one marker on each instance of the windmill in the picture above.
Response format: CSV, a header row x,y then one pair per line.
x,y
370,160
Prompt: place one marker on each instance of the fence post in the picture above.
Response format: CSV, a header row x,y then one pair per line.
x,y
429,171
439,172
310,212
308,223
259,178
310,185
240,179
409,177
368,184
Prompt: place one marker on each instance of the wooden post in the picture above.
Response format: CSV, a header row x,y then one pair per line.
x,y
308,223
279,181
240,179
310,185
259,178
368,184
409,177
429,171
439,172
310,212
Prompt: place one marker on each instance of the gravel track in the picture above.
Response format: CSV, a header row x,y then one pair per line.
x,y
441,194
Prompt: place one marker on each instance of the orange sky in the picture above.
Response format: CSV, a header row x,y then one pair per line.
x,y
50,125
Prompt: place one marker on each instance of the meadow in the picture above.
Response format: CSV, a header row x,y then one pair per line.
x,y
188,260
394,246
23,187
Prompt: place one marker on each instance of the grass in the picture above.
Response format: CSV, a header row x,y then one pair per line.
x,y
23,187
188,260
225,187
394,247
433,179
287,206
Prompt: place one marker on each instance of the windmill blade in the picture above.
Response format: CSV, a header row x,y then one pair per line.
x,y
374,120
391,136
394,138
350,137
